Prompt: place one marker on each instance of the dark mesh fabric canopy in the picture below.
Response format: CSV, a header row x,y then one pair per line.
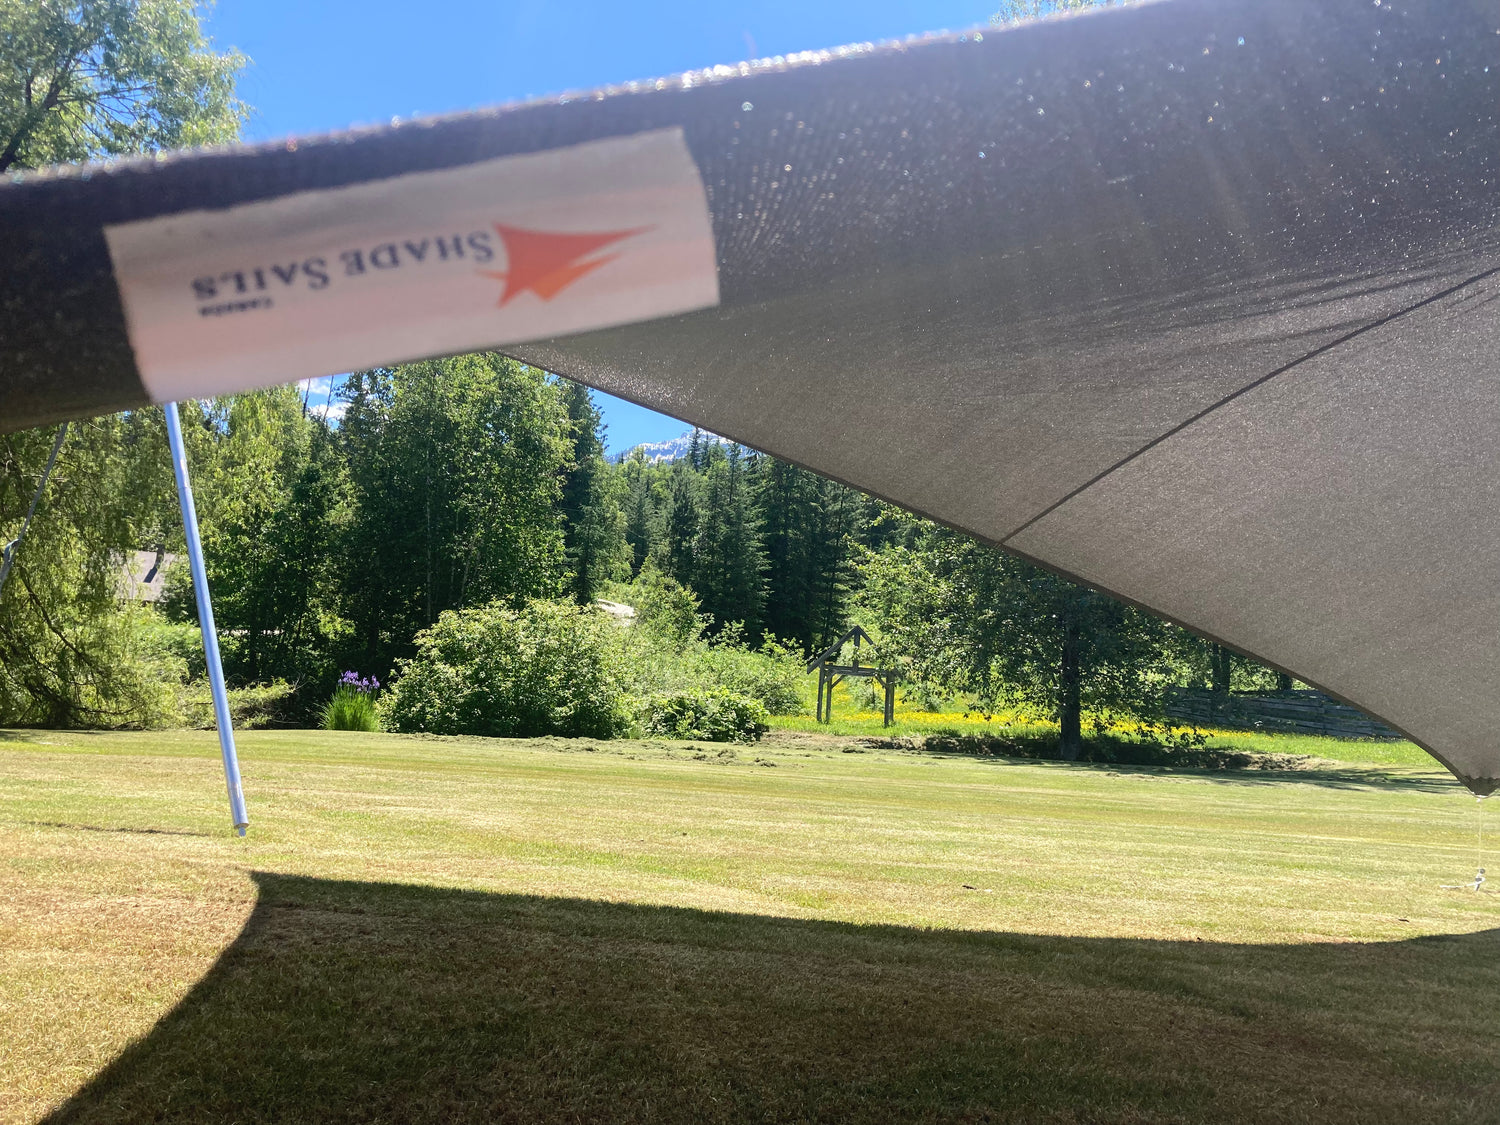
x,y
1192,301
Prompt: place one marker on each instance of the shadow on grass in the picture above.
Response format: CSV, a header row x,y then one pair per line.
x,y
41,734
379,1002
131,831
1212,763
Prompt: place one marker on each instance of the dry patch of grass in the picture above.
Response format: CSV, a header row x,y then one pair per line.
x,y
464,929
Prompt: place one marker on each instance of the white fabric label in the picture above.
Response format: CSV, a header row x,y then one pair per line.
x,y
507,250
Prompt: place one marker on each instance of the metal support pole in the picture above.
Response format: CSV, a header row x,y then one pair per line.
x,y
206,620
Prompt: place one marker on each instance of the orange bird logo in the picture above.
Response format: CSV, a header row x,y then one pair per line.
x,y
548,263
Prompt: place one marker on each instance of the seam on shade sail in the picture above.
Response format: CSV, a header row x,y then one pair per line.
x,y
1005,539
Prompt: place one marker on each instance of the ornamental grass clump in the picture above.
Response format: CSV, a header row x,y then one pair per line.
x,y
353,704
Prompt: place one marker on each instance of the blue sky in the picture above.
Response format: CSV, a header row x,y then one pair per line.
x,y
319,65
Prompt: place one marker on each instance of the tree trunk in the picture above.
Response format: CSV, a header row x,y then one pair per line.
x,y
1070,711
1283,682
34,116
1219,660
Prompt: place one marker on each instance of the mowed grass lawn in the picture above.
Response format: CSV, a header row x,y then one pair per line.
x,y
473,930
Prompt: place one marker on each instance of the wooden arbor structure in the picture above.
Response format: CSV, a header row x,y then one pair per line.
x,y
831,674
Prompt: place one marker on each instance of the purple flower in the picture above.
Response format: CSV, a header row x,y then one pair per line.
x,y
353,680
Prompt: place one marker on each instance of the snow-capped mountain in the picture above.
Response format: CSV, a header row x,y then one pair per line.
x,y
673,448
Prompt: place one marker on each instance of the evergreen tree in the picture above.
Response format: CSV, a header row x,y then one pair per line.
x,y
682,524
367,571
728,559
837,508
880,525
790,582
593,532
646,501
808,523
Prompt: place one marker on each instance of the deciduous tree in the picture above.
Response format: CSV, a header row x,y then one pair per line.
x,y
87,78
456,468
78,80
975,620
271,493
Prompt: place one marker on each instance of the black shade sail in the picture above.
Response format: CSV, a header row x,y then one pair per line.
x,y
1193,301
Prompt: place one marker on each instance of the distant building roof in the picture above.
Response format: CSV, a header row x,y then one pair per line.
x,y
142,575
622,613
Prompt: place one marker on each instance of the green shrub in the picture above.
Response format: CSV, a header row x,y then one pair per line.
x,y
668,652
548,668
712,715
926,695
665,608
250,708
180,641
864,694
773,674
265,705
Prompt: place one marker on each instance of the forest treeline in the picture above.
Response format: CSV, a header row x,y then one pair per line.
x,y
473,481
477,488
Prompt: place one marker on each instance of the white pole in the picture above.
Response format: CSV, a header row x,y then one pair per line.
x,y
206,620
